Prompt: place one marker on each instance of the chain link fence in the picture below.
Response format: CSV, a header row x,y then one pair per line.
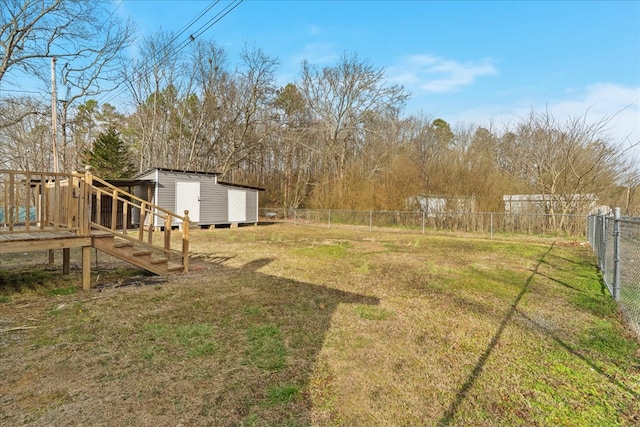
x,y
420,222
616,243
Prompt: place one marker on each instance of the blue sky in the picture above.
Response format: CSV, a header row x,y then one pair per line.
x,y
463,61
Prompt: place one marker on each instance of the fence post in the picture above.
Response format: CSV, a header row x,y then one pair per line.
x,y
491,225
616,253
294,217
371,220
329,218
603,246
423,213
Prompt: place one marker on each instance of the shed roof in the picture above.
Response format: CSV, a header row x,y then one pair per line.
x,y
177,170
251,187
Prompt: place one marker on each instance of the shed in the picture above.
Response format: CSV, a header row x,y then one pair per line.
x,y
210,202
434,204
544,203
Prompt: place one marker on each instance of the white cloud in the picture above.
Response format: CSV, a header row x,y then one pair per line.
x,y
433,74
314,30
318,54
615,103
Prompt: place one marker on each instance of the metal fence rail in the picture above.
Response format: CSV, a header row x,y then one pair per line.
x,y
616,243
420,222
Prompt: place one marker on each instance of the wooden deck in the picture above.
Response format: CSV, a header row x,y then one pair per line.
x,y
20,240
48,211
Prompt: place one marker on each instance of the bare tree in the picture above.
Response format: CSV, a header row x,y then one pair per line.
x,y
83,35
565,161
80,32
24,145
291,157
341,97
154,82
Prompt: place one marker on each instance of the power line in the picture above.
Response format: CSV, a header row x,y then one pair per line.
x,y
169,52
21,91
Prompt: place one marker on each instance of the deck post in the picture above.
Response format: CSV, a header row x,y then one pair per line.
x,y
66,261
86,268
86,204
85,226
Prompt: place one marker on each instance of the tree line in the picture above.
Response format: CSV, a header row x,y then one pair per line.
x,y
337,136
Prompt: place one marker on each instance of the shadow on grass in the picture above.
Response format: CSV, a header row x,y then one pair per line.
x,y
268,334
278,328
461,395
237,346
574,352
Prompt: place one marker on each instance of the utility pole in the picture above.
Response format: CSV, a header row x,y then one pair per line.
x,y
54,123
54,132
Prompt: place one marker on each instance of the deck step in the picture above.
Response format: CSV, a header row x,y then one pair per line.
x,y
123,244
142,253
174,267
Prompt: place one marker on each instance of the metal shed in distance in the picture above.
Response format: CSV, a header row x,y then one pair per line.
x,y
210,202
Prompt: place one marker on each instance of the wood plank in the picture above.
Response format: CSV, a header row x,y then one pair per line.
x,y
27,202
9,214
40,235
98,207
41,197
143,217
55,205
5,200
86,267
41,245
66,261
124,217
114,210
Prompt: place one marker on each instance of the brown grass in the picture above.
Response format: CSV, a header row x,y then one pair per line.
x,y
283,325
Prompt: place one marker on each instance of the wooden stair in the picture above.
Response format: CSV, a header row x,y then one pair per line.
x,y
136,253
136,246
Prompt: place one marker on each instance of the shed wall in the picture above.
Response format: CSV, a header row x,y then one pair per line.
x,y
214,197
252,205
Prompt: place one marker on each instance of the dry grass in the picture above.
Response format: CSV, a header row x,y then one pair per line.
x,y
283,325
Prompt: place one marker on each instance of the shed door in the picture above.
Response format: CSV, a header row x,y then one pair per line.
x,y
188,198
237,205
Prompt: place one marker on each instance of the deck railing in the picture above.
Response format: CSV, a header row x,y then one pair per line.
x,y
147,219
43,201
40,201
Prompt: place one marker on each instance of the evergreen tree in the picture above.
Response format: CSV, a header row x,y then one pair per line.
x,y
109,156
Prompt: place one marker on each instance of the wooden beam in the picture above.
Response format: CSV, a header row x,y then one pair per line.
x,y
27,203
85,226
42,245
9,214
66,261
86,267
141,220
42,213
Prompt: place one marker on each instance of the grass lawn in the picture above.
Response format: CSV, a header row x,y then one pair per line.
x,y
290,326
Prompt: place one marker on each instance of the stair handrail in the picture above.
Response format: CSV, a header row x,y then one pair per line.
x,y
146,208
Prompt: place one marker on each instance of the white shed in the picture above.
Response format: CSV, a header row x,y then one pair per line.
x,y
210,202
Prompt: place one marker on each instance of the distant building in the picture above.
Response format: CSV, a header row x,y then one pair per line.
x,y
545,203
437,204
